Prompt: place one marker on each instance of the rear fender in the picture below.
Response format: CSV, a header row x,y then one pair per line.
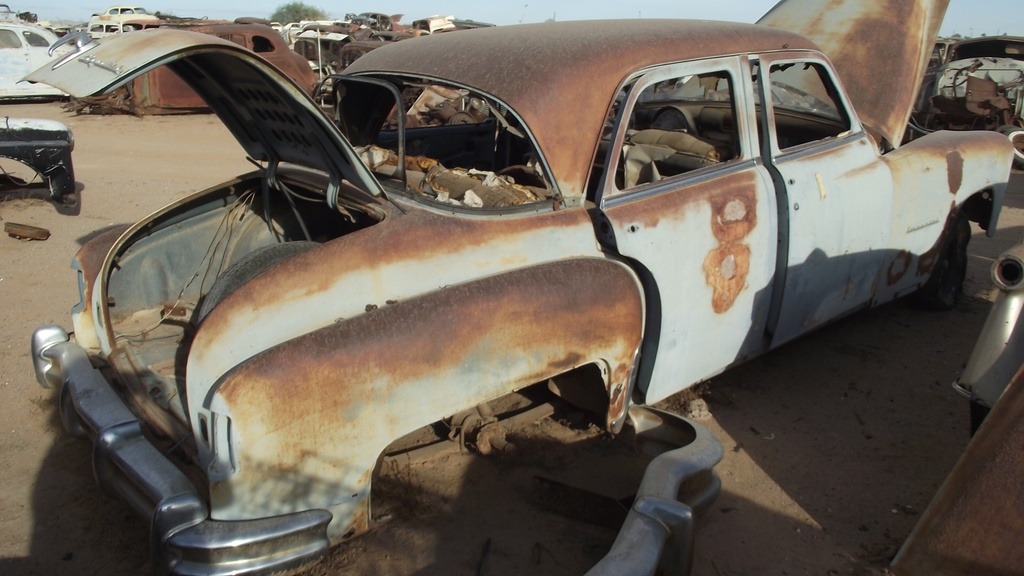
x,y
306,420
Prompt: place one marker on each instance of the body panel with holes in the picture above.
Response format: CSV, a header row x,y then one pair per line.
x,y
446,234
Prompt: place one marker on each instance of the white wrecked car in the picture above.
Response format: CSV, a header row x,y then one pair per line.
x,y
616,209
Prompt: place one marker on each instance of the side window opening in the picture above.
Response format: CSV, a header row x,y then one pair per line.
x,y
677,126
9,39
34,39
261,44
806,105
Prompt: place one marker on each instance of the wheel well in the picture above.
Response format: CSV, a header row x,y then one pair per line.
x,y
978,208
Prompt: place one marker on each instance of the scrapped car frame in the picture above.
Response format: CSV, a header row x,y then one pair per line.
x,y
707,193
44,146
978,84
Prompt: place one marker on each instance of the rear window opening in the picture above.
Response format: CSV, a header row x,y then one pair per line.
x,y
440,143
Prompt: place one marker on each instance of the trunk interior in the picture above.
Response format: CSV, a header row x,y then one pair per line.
x,y
161,277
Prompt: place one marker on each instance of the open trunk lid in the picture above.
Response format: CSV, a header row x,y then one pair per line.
x,y
270,116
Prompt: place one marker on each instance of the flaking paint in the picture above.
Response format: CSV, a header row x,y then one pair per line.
x,y
345,391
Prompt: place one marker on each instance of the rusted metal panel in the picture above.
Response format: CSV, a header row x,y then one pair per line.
x,y
390,261
89,263
25,231
44,146
161,91
720,230
829,274
554,61
355,385
879,47
131,55
974,523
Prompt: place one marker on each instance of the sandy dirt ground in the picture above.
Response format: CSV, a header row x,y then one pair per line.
x,y
834,444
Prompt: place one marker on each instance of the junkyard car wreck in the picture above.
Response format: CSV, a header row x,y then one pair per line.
x,y
488,211
45,147
975,84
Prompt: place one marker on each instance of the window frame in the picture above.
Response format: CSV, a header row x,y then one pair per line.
x,y
737,69
764,62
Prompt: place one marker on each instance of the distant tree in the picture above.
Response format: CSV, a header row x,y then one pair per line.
x,y
296,12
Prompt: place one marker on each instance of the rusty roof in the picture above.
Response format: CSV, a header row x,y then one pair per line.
x,y
561,77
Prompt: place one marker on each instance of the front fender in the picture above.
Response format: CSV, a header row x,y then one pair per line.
x,y
946,170
309,418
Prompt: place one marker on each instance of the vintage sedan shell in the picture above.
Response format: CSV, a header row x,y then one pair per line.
x,y
628,208
23,48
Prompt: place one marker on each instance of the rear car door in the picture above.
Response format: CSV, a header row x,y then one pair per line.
x,y
683,195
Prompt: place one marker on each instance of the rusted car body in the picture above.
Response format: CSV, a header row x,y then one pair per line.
x,y
620,223
44,146
979,85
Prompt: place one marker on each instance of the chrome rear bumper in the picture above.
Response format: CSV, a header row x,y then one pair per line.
x,y
658,534
183,537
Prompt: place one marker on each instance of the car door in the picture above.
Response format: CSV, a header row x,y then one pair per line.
x,y
835,194
683,196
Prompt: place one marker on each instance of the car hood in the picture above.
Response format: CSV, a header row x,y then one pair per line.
x,y
879,47
270,116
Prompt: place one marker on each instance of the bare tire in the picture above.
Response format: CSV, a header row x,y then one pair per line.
x,y
944,287
247,268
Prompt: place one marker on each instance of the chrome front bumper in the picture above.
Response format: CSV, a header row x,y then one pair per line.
x,y
183,537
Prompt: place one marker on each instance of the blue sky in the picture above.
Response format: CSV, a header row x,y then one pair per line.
x,y
966,17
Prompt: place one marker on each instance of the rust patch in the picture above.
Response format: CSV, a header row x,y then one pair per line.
x,y
733,218
90,256
955,169
734,215
566,363
397,238
898,268
616,400
726,270
733,202
670,205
